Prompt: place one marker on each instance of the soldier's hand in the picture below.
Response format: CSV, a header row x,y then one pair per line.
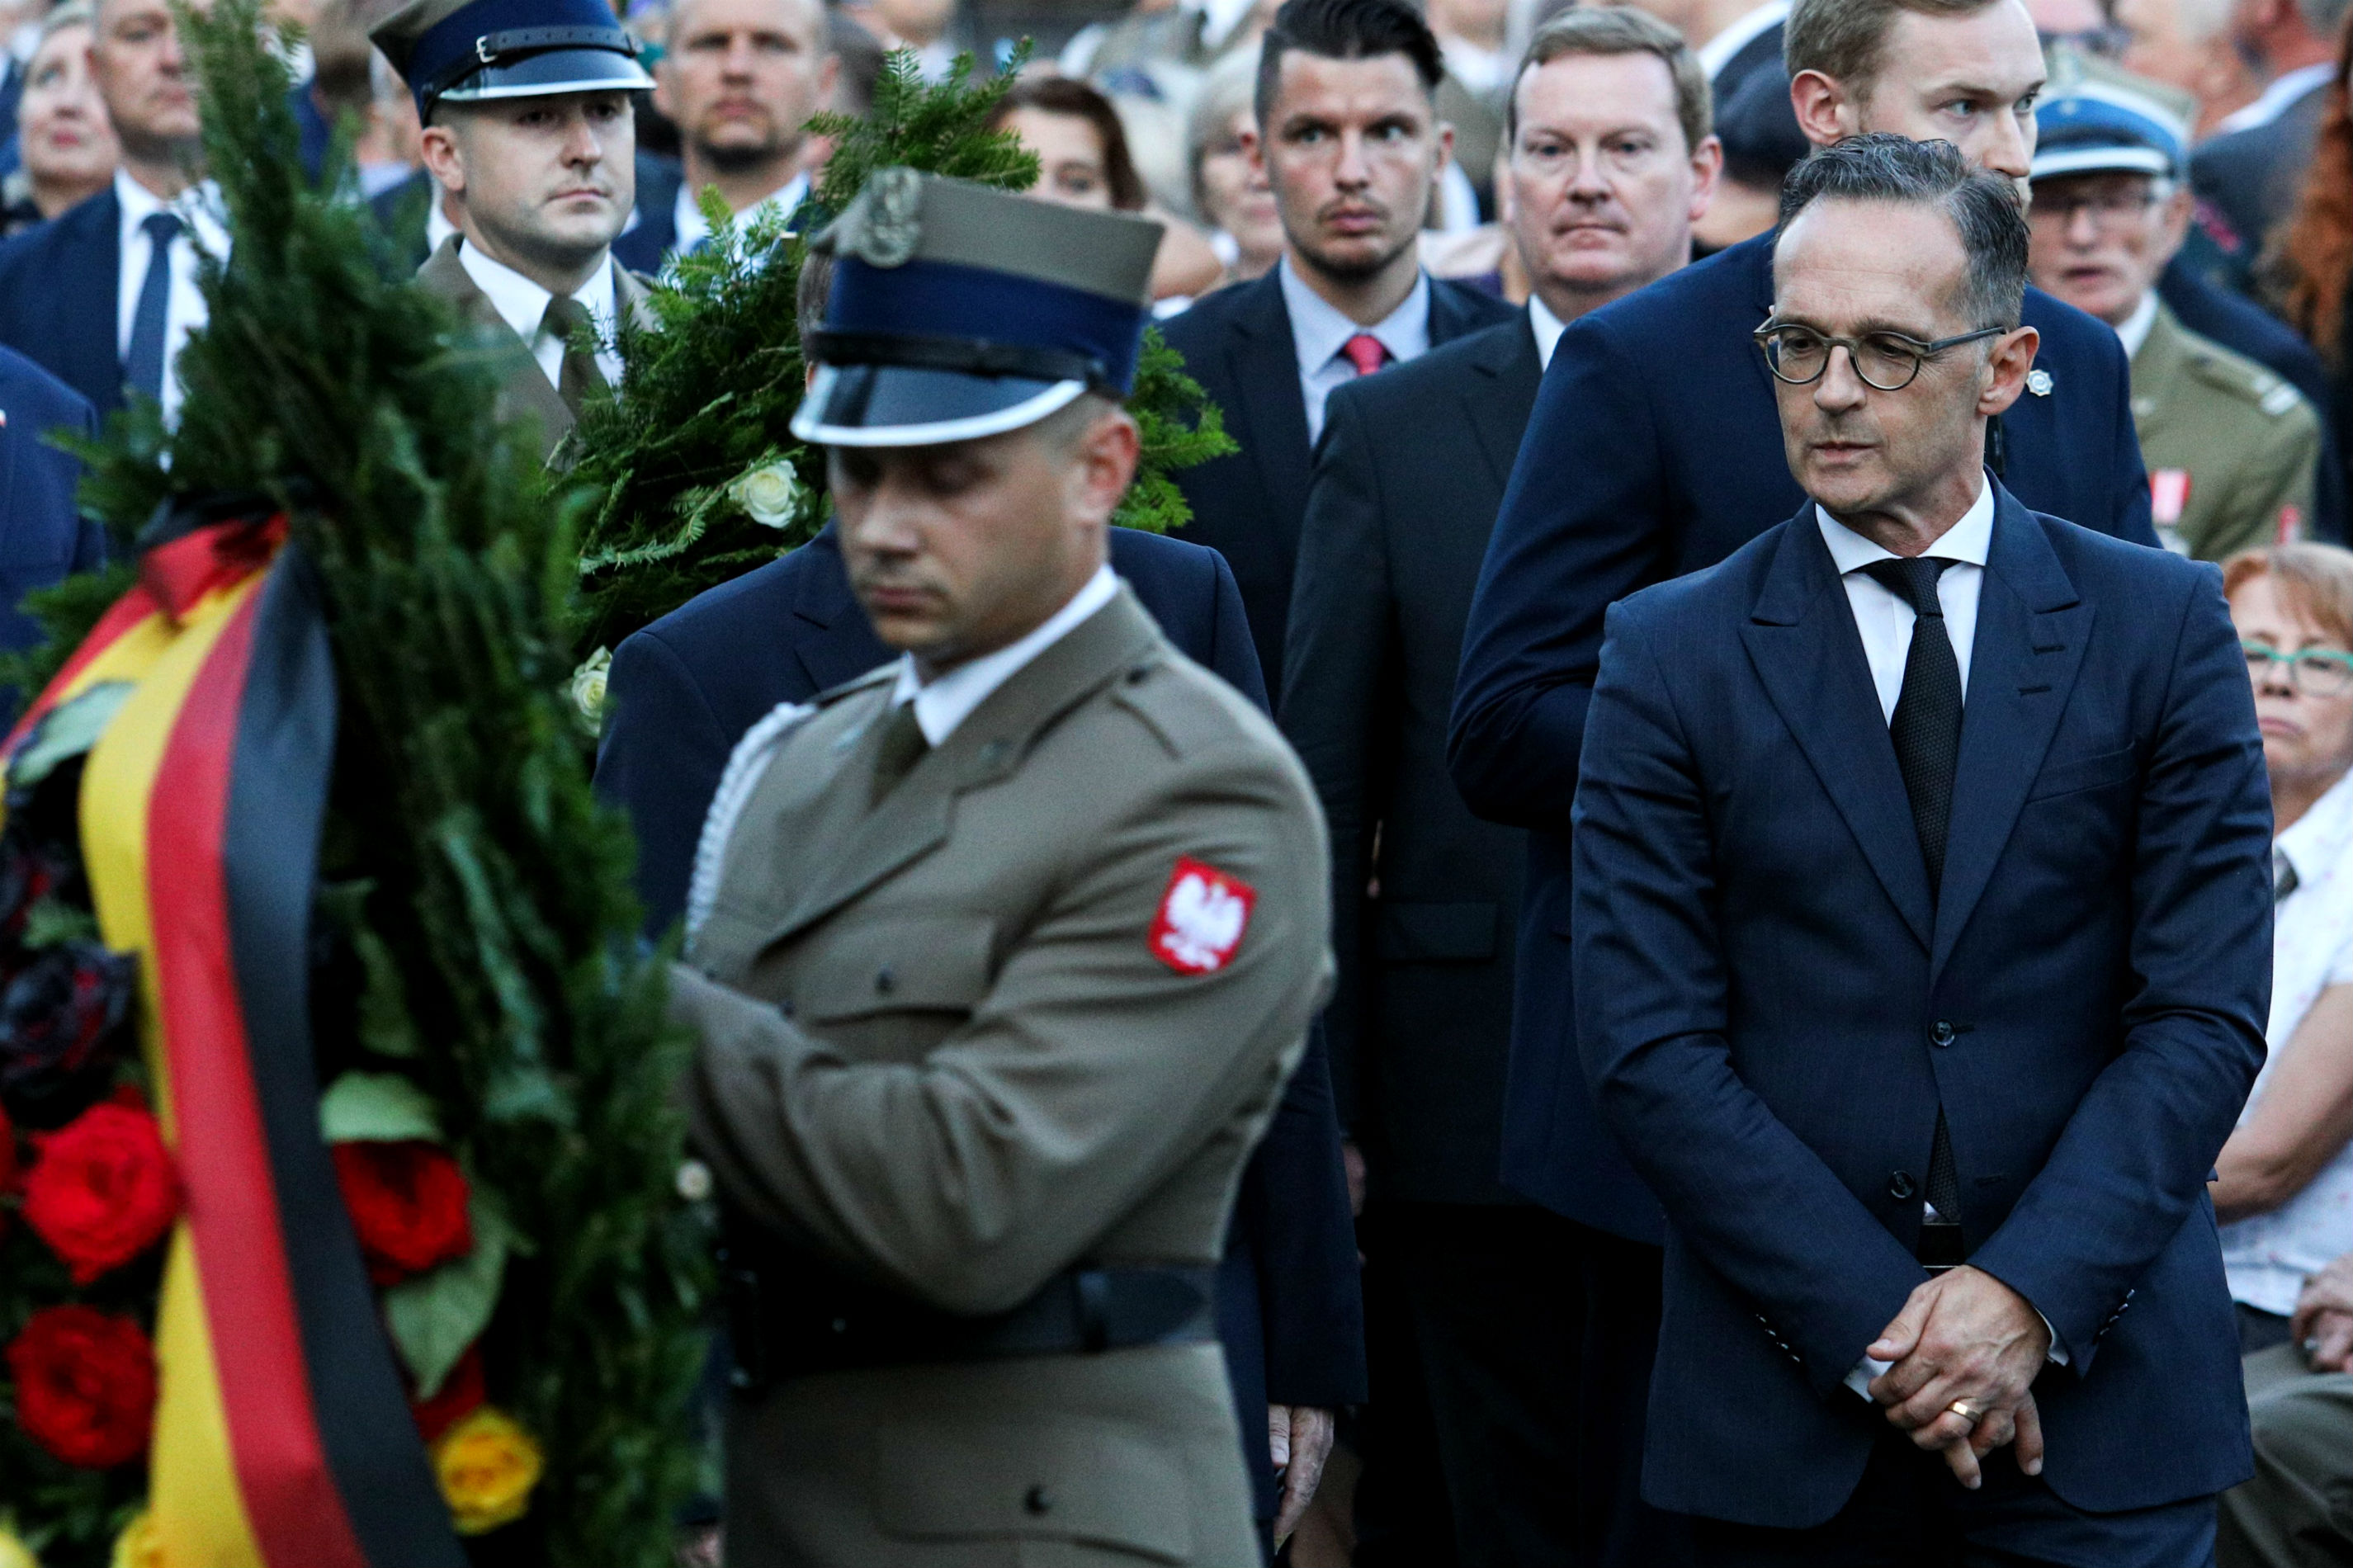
x,y
1299,1436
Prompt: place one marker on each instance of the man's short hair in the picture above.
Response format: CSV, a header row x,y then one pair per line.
x,y
1983,206
1345,30
1618,30
1846,40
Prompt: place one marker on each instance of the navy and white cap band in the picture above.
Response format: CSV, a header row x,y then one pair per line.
x,y
467,51
959,311
2095,127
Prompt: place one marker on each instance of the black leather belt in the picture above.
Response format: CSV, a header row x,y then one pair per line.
x,y
791,1316
1940,1246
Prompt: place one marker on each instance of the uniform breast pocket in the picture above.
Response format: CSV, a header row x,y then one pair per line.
x,y
2074,775
1109,1490
929,964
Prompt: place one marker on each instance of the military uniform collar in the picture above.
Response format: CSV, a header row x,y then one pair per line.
x,y
2133,329
947,701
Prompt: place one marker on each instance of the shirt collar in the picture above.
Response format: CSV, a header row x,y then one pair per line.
x,y
199,207
2318,839
1717,52
1318,329
1969,540
1547,328
2275,98
521,303
2133,330
951,699
687,216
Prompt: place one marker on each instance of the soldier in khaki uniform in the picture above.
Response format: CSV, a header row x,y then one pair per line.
x,y
999,956
529,121
2232,450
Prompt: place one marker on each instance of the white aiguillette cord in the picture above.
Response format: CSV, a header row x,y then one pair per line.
x,y
744,768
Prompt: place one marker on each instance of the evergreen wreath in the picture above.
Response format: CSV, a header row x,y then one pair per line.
x,y
690,471
486,976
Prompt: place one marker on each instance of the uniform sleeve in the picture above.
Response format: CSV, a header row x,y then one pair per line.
x,y
1087,1075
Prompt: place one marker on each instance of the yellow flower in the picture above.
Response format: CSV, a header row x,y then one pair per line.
x,y
14,1553
487,1466
137,1546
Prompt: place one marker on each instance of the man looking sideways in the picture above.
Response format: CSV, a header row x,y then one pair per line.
x,y
1611,160
539,142
741,79
1923,951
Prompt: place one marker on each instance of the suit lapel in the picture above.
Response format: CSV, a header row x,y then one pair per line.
x,y
1263,367
916,818
839,644
2032,628
1802,641
94,325
1500,398
525,387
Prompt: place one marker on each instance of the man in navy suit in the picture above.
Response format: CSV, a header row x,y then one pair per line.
x,y
45,538
1353,147
1923,922
1653,451
683,691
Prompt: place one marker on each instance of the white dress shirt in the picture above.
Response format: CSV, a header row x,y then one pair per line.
x,y
522,305
2133,330
1884,620
437,227
686,218
2268,1257
1318,329
2276,98
201,227
1547,328
947,701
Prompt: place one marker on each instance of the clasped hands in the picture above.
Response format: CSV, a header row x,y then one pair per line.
x,y
1965,1336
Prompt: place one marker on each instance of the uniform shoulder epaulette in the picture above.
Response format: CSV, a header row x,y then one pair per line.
x,y
2244,379
1189,709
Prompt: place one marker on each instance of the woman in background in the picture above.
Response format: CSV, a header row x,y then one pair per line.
x,y
67,147
1230,191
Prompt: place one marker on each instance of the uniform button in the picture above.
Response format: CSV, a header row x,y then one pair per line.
x,y
1038,1499
885,982
1901,1187
1942,1033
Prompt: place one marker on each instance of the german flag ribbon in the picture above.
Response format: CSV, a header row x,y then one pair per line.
x,y
282,1437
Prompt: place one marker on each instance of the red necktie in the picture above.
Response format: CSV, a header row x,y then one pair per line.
x,y
1366,353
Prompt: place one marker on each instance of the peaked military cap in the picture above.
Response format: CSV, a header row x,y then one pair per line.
x,y
470,51
959,311
2095,127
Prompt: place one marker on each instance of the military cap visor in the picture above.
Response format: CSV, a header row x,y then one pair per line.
x,y
959,311
2100,128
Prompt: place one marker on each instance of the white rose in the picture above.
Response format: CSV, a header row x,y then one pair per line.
x,y
589,686
769,494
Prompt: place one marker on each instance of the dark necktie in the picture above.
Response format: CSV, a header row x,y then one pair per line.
x,y
142,368
567,318
2284,877
1366,353
902,746
1926,731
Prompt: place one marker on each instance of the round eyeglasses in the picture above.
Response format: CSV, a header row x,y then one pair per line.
x,y
1888,361
2314,671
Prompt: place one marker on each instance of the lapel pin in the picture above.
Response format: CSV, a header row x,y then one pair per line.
x,y
2038,382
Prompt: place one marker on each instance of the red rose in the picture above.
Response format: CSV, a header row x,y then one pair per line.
x,y
101,1190
407,1201
7,1163
85,1385
461,1394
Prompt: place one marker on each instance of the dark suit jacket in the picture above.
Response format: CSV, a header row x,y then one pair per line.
x,y
60,296
684,690
1236,344
643,247
1656,449
2253,176
1410,472
43,537
1773,1006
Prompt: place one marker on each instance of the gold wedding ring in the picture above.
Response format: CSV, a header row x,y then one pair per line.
x,y
1966,1411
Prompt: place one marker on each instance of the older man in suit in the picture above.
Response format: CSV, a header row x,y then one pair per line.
x,y
1922,941
1352,145
528,121
1609,161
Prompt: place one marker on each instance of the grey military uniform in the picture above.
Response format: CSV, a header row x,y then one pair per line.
x,y
952,1043
2248,442
523,388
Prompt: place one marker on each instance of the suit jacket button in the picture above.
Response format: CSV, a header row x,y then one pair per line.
x,y
1038,1499
1901,1187
1942,1033
885,982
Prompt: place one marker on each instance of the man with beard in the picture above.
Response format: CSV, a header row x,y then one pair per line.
x,y
528,119
1350,138
103,296
1609,161
740,77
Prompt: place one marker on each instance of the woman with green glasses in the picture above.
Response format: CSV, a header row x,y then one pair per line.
x,y
2285,1177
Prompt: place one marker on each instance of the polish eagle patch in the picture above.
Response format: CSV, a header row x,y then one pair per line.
x,y
1202,916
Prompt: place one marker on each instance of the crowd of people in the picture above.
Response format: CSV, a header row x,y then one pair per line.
x,y
1516,310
